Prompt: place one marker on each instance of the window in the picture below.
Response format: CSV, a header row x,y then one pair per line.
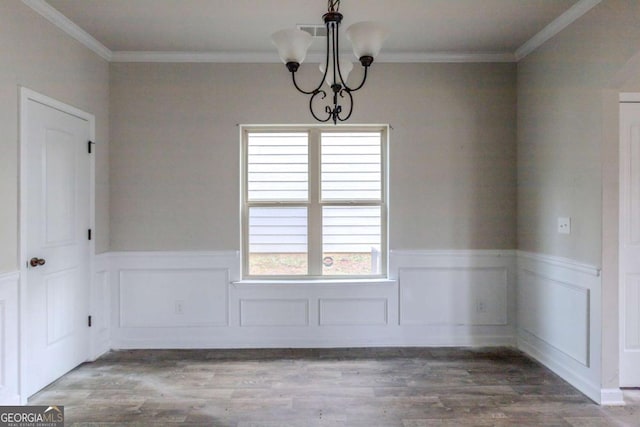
x,y
314,202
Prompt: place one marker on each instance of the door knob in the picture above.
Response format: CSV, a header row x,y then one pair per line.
x,y
36,262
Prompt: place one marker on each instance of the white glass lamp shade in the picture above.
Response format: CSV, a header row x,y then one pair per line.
x,y
292,44
366,38
345,68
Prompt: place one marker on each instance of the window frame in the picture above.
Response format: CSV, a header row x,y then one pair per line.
x,y
314,203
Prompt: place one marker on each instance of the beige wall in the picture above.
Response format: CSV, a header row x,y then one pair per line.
x,y
39,56
568,148
560,129
175,150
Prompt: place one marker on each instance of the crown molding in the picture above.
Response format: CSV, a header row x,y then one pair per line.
x,y
272,58
560,23
69,27
217,57
445,57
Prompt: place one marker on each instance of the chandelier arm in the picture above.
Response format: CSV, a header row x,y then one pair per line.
x,y
324,75
364,79
324,95
311,92
348,92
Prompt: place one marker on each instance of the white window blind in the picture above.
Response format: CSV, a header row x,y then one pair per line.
x,y
277,166
351,166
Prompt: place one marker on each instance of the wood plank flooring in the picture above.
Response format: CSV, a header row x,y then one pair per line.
x,y
387,387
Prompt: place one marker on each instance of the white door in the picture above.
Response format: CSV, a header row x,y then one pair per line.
x,y
629,244
57,175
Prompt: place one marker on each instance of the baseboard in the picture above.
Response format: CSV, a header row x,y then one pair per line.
x,y
591,390
612,397
365,337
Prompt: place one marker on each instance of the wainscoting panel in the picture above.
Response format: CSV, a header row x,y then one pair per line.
x,y
173,298
363,311
196,300
457,298
557,313
559,318
331,313
274,312
169,299
9,343
453,296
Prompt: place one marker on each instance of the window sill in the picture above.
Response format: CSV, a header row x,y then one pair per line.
x,y
314,282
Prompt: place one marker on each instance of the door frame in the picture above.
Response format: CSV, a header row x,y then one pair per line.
x,y
27,95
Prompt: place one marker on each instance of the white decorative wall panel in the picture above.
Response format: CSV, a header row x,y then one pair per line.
x,y
274,312
453,296
9,342
330,304
196,300
559,318
556,312
173,298
363,311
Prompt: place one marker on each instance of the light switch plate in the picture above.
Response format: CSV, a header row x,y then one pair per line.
x,y
564,225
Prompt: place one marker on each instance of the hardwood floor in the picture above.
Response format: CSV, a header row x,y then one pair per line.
x,y
407,387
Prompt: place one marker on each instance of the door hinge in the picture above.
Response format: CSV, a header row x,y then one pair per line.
x,y
89,321
89,234
89,148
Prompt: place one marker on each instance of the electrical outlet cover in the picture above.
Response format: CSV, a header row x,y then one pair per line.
x,y
564,225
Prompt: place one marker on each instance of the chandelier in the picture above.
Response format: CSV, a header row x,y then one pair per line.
x,y
366,39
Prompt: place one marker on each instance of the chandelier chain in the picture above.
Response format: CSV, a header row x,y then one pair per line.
x,y
333,5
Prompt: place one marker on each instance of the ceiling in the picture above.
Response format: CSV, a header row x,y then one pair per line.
x,y
242,27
